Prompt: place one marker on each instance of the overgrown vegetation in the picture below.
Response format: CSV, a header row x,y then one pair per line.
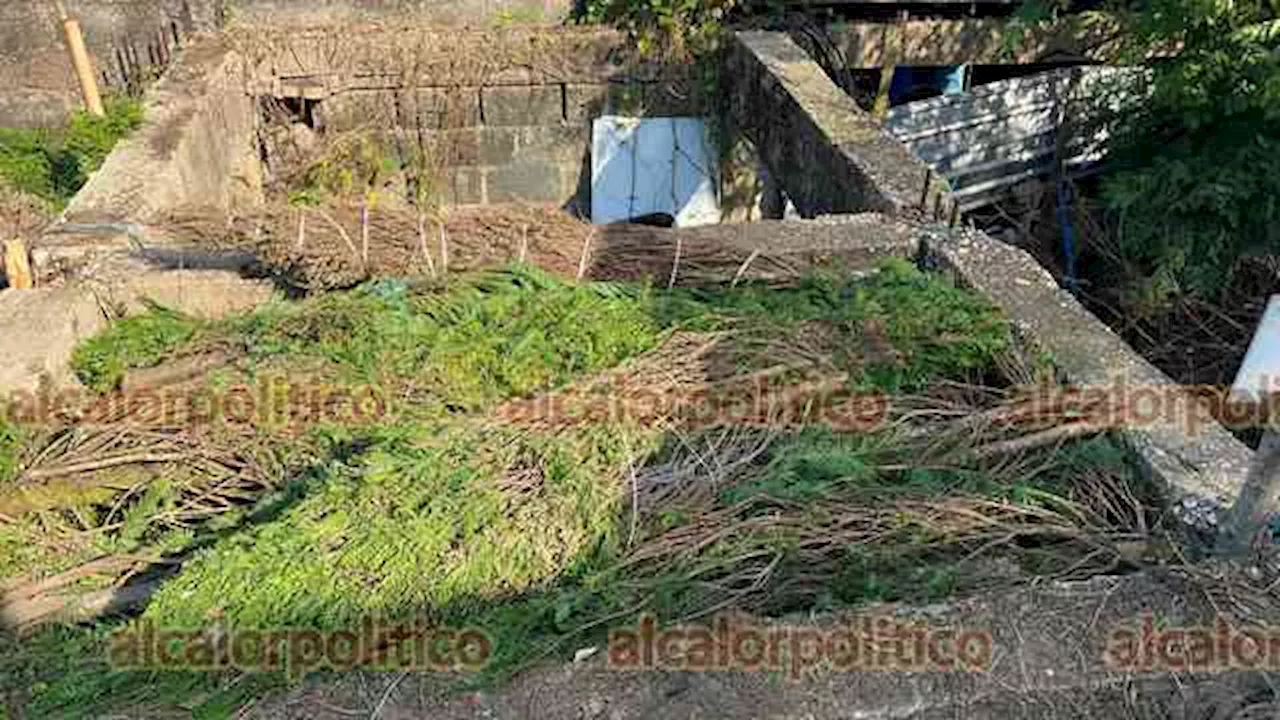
x,y
11,438
59,672
1189,178
1192,170
665,28
54,164
138,341
538,527
360,166
431,488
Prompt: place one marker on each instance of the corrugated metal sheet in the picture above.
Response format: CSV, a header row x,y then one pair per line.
x,y
997,135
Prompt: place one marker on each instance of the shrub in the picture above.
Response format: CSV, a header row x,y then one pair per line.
x,y
55,164
677,29
1193,172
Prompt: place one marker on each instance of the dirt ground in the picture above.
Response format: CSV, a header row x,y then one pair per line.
x,y
1047,662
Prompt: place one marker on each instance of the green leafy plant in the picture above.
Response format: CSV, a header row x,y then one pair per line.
x,y
356,166
25,161
54,164
676,29
137,341
1192,172
11,439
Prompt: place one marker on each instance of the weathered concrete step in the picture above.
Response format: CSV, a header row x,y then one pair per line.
x,y
42,326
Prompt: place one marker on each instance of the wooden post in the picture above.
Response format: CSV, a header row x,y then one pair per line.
x,y
890,64
17,267
80,61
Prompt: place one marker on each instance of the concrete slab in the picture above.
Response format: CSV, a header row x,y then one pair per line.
x,y
195,147
41,327
1203,465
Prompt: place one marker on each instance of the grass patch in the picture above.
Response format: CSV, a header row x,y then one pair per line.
x,y
457,347
61,672
55,164
428,517
480,513
894,330
438,352
138,341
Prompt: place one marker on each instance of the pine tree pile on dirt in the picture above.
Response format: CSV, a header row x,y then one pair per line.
x,y
550,456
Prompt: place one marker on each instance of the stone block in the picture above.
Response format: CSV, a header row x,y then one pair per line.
x,y
41,327
553,143
449,107
202,293
525,182
457,147
466,186
358,109
529,105
497,145
428,108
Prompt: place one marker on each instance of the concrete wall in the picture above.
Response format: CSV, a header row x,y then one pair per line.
x,y
195,147
503,143
1199,463
829,155
133,38
437,12
37,84
507,112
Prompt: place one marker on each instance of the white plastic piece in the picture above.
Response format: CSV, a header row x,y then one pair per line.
x,y
1259,372
641,166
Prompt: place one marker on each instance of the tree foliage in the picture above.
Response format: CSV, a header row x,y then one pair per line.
x,y
1194,176
677,29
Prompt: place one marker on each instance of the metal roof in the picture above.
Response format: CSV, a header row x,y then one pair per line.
x,y
988,139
